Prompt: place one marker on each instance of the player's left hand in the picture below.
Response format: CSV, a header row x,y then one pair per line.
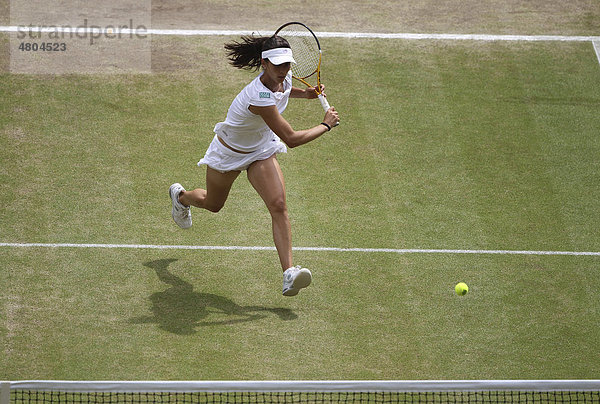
x,y
311,92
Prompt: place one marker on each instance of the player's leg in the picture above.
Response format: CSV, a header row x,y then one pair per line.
x,y
267,179
212,198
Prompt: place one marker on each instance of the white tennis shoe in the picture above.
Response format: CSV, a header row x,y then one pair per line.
x,y
294,279
181,214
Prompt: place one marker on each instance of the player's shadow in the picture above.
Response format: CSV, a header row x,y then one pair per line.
x,y
180,310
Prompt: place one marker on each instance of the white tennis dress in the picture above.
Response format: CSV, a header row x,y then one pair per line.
x,y
245,131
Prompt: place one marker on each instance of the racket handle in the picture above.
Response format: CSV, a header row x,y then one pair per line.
x,y
324,102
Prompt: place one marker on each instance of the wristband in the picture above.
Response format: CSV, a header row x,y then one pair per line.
x,y
327,126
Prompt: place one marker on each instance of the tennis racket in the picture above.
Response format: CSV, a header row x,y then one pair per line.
x,y
307,54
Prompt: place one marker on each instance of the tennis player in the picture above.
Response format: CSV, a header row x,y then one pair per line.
x,y
249,139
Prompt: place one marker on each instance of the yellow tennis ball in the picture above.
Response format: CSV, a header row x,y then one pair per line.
x,y
461,289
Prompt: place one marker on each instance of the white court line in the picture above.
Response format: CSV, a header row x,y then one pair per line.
x,y
326,249
377,35
596,44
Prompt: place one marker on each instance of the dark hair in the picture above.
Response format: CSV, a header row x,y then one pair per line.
x,y
246,54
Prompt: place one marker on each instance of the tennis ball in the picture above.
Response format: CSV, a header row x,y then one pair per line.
x,y
461,289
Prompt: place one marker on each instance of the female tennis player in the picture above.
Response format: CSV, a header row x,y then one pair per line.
x,y
249,139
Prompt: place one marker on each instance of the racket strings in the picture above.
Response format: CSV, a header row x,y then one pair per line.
x,y
305,51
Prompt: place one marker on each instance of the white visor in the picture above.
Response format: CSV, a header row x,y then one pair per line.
x,y
278,56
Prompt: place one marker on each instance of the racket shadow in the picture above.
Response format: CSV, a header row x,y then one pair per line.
x,y
180,310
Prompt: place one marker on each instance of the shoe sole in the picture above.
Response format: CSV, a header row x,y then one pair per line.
x,y
303,279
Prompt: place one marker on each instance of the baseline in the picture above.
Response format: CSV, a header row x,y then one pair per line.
x,y
377,35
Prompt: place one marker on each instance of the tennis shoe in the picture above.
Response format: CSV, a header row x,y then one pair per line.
x,y
181,214
294,279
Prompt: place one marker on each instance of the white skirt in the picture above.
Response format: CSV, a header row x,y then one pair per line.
x,y
220,158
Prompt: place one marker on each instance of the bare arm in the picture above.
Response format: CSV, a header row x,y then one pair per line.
x,y
300,93
284,130
308,92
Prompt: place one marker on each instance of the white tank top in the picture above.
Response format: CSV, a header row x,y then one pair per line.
x,y
244,130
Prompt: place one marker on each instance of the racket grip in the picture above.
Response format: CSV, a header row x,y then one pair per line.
x,y
324,102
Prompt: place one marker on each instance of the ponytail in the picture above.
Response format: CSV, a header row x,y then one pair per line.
x,y
247,54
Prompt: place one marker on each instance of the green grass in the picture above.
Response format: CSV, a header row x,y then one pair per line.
x,y
442,145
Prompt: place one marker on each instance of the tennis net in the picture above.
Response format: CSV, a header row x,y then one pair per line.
x,y
113,392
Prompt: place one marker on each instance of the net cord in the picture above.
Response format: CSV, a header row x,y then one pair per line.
x,y
301,386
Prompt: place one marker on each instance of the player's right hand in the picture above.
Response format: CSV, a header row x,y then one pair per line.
x,y
331,117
